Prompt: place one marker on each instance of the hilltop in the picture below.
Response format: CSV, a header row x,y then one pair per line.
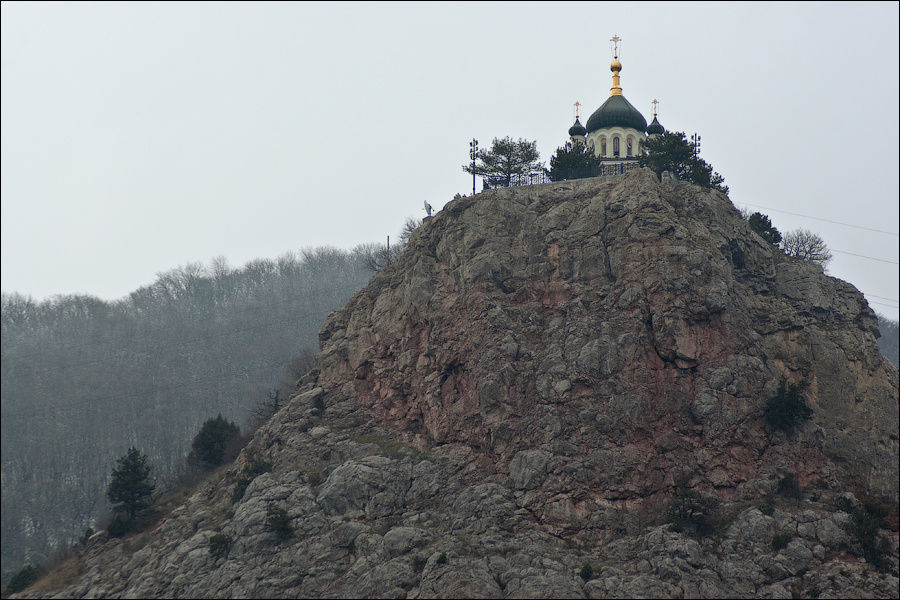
x,y
557,391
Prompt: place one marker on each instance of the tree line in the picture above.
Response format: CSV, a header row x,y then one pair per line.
x,y
84,379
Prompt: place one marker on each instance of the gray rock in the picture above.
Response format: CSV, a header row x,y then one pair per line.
x,y
401,540
355,484
528,467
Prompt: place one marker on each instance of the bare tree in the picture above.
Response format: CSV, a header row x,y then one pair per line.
x,y
807,245
409,227
373,255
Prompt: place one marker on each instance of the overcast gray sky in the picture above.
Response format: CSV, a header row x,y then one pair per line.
x,y
139,137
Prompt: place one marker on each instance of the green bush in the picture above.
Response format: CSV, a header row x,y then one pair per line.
x,y
587,571
22,579
220,545
441,559
787,408
212,441
278,522
692,513
789,487
866,519
781,540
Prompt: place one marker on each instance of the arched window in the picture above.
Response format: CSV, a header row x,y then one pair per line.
x,y
603,146
628,146
616,146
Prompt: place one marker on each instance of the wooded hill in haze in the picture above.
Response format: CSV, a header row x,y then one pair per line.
x,y
84,379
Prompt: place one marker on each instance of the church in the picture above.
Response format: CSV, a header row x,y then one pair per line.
x,y
616,131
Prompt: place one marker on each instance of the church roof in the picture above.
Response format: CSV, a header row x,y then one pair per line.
x,y
616,112
655,127
577,128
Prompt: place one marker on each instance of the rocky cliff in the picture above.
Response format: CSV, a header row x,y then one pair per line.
x,y
556,391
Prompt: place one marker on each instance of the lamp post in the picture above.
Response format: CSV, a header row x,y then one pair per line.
x,y
473,153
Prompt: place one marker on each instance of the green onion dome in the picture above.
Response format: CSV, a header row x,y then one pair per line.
x,y
616,112
577,128
655,127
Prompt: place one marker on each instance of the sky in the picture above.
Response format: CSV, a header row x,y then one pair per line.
x,y
138,137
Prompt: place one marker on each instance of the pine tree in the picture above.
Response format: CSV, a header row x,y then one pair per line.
x,y
572,161
130,488
505,160
762,225
673,153
210,443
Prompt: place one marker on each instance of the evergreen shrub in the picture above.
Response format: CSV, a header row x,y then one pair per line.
x,y
22,579
787,408
211,442
781,540
278,522
220,545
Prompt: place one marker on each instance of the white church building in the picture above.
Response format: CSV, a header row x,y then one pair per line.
x,y
616,131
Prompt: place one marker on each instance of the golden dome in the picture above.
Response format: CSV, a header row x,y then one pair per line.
x,y
615,65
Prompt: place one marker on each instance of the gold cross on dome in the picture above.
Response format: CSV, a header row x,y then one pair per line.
x,y
615,40
577,104
654,103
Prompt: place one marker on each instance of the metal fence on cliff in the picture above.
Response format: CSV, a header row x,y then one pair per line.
x,y
537,178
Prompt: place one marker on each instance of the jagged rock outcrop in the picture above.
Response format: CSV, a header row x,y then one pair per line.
x,y
521,402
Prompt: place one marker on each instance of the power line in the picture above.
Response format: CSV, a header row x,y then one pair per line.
x,y
881,297
826,220
892,262
882,304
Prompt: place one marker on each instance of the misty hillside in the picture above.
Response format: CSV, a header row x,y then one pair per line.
x,y
83,379
889,342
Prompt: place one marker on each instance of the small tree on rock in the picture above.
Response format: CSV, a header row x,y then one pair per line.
x,y
130,488
673,153
805,244
762,225
505,160
787,408
409,227
212,440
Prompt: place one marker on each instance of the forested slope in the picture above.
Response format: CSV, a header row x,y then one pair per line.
x,y
84,379
889,342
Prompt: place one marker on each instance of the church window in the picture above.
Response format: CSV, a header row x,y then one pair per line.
x,y
616,146
628,146
603,146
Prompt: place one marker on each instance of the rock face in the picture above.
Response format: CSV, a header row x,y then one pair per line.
x,y
514,407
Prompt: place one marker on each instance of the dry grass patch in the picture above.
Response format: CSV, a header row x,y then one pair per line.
x,y
67,573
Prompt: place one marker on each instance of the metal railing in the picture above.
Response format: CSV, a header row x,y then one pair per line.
x,y
601,170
